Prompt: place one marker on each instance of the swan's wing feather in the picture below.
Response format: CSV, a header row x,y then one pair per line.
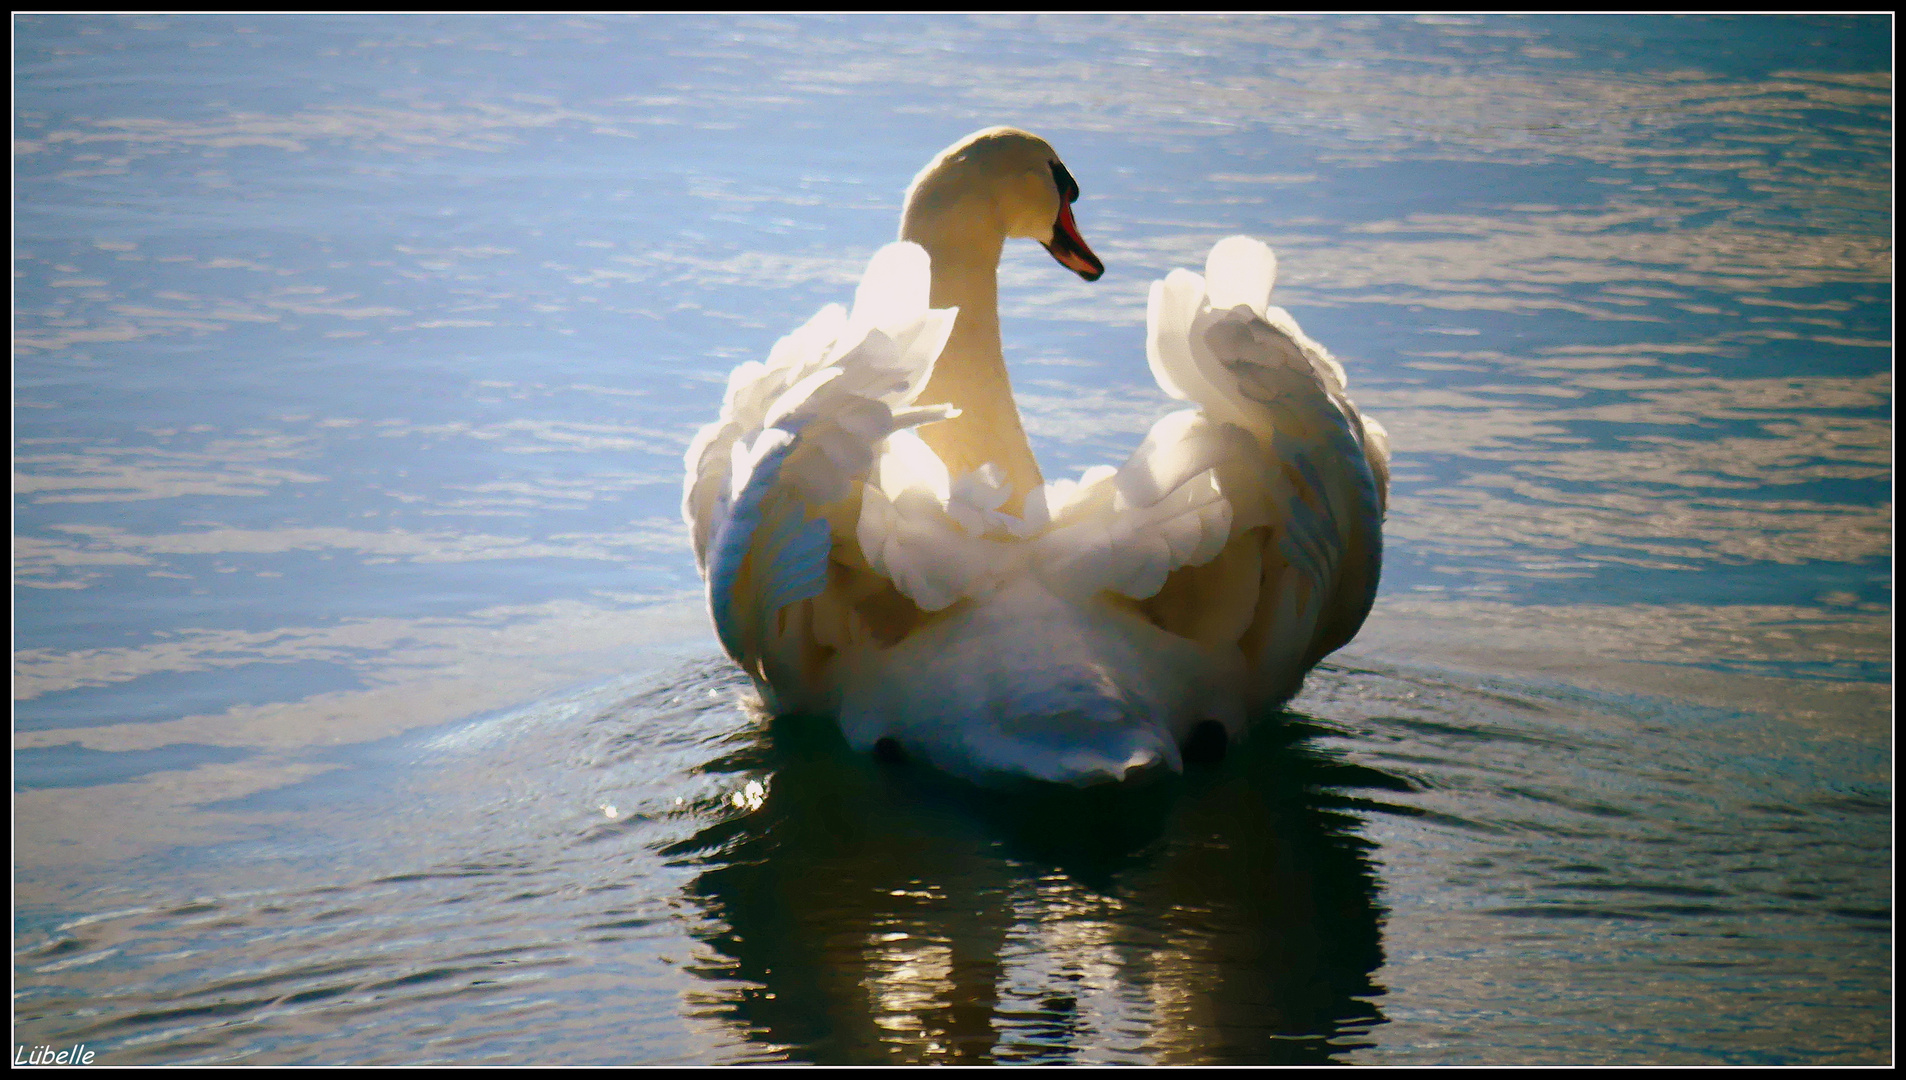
x,y
767,536
774,487
1303,476
1125,531
928,555
705,493
1181,369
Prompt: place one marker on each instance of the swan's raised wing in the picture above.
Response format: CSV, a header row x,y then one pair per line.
x,y
774,487
1254,521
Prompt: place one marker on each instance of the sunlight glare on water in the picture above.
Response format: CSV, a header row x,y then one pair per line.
x,y
366,711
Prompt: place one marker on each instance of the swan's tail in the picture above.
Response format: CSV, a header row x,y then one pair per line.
x,y
1025,682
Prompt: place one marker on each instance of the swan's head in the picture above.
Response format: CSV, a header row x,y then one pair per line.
x,y
994,184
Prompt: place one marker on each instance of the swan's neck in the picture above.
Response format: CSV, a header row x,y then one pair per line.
x,y
971,372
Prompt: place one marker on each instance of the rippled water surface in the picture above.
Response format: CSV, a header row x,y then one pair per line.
x,y
365,710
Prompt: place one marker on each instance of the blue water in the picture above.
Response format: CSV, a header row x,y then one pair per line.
x,y
365,711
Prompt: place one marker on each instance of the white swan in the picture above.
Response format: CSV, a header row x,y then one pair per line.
x,y
878,544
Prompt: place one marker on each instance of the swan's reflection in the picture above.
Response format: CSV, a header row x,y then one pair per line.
x,y
874,913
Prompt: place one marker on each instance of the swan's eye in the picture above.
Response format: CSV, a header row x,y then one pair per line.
x,y
1068,187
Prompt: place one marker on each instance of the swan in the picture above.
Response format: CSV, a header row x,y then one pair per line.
x,y
880,546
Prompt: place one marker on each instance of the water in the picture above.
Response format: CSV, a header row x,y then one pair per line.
x,y
365,711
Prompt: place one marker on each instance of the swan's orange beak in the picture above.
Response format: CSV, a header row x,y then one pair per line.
x,y
1069,247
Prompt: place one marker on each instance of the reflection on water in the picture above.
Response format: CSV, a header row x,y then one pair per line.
x,y
872,915
354,361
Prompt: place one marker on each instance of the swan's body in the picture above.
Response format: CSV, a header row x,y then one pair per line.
x,y
878,544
